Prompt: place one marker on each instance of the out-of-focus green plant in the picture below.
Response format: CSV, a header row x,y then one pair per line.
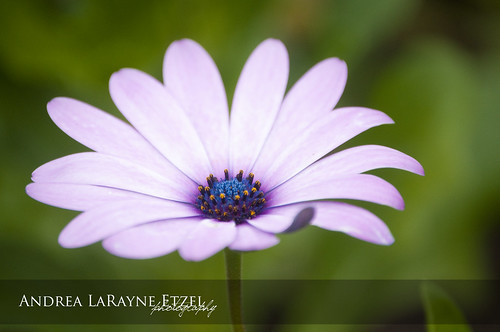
x,y
441,312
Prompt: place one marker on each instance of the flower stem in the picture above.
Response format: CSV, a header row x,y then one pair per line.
x,y
233,277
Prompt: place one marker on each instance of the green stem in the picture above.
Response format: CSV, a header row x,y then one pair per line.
x,y
233,276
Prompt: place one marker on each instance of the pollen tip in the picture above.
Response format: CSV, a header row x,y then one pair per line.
x,y
250,178
239,176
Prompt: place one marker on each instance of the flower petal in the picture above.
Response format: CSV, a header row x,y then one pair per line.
x,y
193,78
105,220
352,220
282,219
249,238
104,133
78,197
314,95
150,240
277,163
301,220
208,238
256,102
315,186
364,158
275,220
104,170
159,118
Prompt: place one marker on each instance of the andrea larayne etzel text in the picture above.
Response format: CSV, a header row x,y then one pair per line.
x,y
163,303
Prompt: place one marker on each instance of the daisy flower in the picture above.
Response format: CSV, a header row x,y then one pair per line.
x,y
185,174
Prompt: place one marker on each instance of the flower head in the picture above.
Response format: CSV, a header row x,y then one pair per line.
x,y
186,176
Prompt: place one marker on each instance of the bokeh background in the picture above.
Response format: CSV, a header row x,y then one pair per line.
x,y
433,66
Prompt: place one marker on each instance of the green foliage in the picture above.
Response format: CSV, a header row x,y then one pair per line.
x,y
442,314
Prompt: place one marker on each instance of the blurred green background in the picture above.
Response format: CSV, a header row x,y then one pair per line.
x,y
433,66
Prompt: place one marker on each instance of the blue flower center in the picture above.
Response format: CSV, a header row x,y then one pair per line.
x,y
226,199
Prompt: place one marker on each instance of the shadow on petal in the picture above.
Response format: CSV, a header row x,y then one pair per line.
x,y
301,220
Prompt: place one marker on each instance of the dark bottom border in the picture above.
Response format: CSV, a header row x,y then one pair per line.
x,y
266,302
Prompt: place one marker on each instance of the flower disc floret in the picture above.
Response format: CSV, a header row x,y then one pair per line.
x,y
228,198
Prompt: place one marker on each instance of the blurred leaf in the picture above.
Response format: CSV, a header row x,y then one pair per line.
x,y
430,89
356,26
442,314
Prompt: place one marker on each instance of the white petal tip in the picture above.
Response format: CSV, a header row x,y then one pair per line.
x,y
190,257
52,105
29,190
65,243
122,72
389,120
337,63
179,45
386,240
68,240
420,170
184,41
272,42
128,254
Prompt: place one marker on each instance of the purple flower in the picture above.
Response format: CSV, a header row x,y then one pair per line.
x,y
187,176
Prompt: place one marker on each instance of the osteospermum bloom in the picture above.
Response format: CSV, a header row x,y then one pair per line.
x,y
185,175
